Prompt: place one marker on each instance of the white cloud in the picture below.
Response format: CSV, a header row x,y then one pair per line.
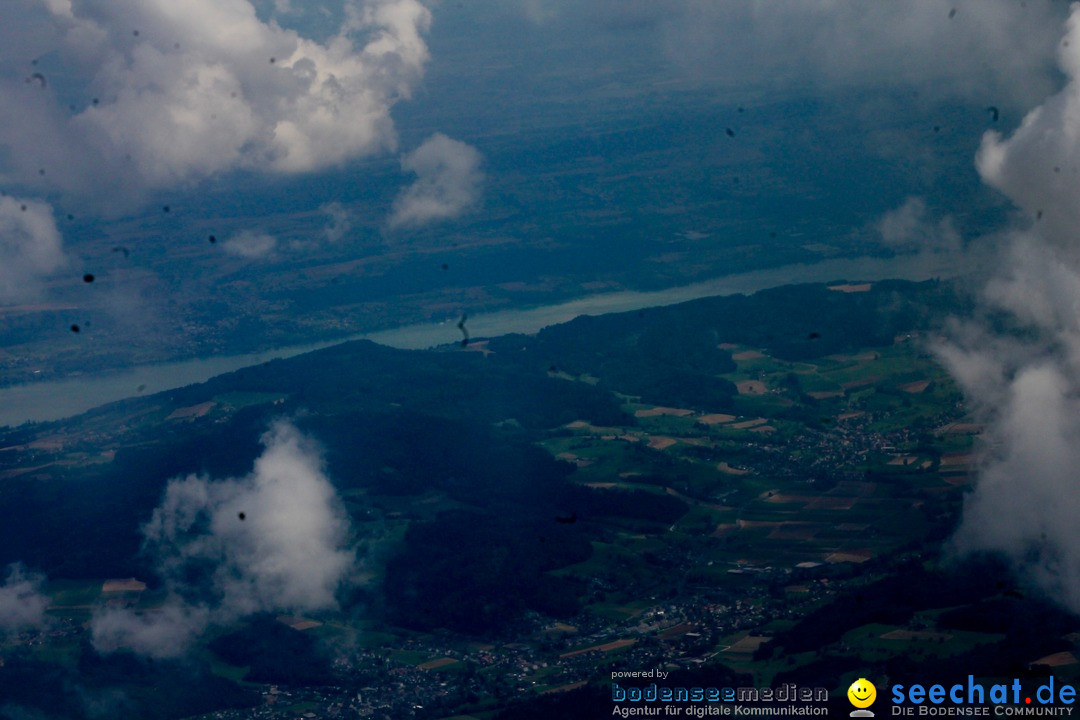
x,y
1026,500
990,51
448,182
340,221
166,632
273,540
22,604
187,90
1021,372
1038,167
289,550
250,245
30,247
539,11
989,48
909,228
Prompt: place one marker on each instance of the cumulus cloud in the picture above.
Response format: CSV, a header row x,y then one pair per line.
x,y
339,221
1023,385
164,633
1021,372
22,604
275,540
288,550
250,245
1038,166
448,182
30,247
909,228
157,93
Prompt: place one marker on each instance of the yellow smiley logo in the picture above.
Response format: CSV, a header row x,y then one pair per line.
x,y
862,693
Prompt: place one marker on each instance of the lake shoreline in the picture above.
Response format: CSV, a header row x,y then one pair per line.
x,y
58,399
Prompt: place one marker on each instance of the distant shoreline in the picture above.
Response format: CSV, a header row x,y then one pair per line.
x,y
58,399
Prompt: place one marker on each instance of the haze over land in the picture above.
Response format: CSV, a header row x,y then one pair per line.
x,y
396,164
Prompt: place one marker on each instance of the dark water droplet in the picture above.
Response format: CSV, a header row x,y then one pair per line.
x,y
166,209
140,388
41,171
70,216
94,102
730,132
242,516
74,328
88,278
445,266
464,331
23,208
135,33
273,60
213,239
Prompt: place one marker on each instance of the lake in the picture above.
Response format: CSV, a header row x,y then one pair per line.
x,y
53,400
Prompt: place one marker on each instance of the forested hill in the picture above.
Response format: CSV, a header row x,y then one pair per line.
x,y
512,482
673,354
427,415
